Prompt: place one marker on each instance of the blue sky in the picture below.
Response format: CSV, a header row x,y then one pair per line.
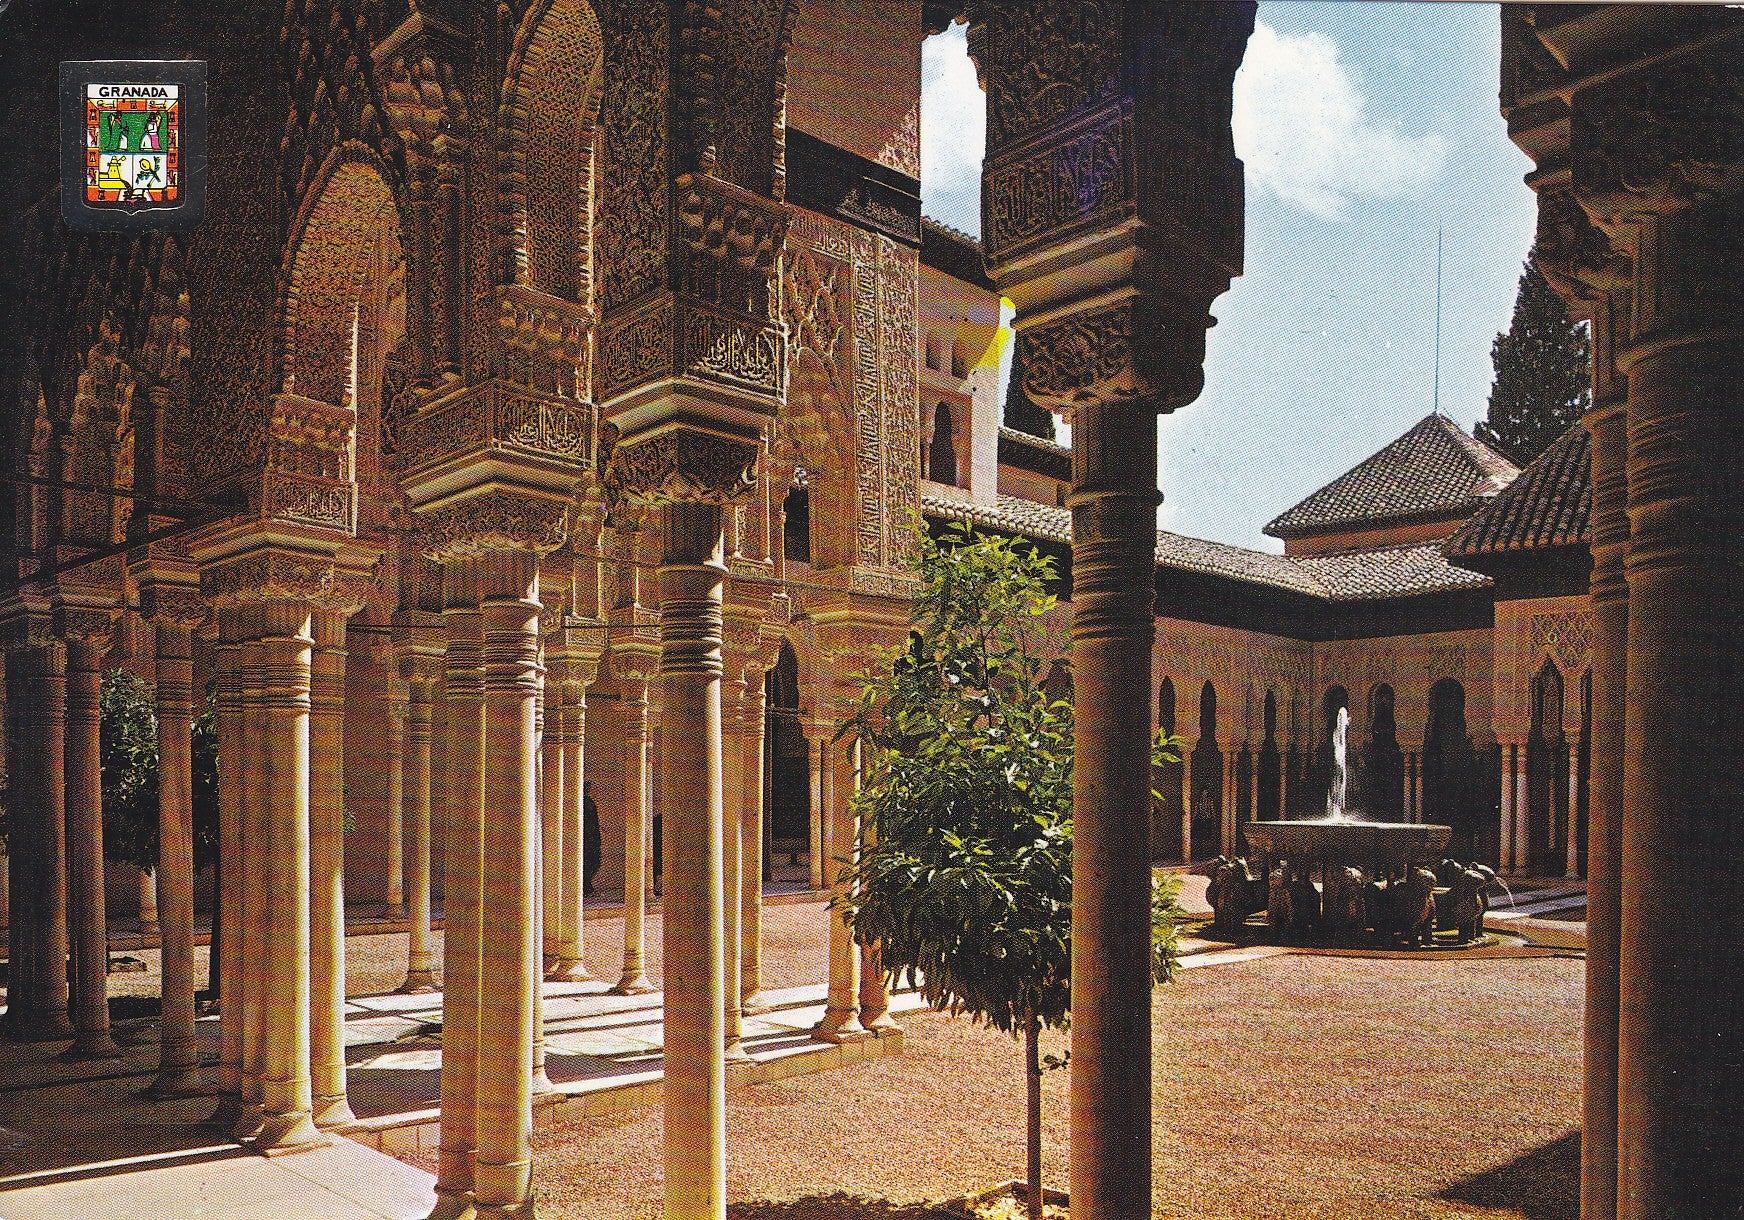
x,y
1364,126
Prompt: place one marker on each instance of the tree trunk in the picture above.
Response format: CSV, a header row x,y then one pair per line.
x,y
1032,1055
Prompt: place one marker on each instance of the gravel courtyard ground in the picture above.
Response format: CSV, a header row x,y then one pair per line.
x,y
1294,1086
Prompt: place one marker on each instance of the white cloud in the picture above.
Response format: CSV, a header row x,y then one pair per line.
x,y
953,131
1302,128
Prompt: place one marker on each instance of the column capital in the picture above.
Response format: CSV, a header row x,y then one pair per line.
x,y
173,605
498,519
635,664
681,463
1098,121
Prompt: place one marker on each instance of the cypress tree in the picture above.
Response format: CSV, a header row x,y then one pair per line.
x,y
1543,379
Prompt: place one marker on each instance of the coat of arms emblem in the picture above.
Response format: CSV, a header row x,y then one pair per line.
x,y
133,154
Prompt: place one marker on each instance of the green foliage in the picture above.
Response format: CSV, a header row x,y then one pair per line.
x,y
128,749
964,879
1543,378
129,754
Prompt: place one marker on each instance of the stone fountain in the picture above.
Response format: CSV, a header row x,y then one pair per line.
x,y
1371,875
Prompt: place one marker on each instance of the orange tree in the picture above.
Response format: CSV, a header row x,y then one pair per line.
x,y
964,875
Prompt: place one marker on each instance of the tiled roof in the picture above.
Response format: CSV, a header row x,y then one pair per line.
x,y
1010,515
1032,453
1434,470
1184,554
1406,571
1547,506
1354,576
953,251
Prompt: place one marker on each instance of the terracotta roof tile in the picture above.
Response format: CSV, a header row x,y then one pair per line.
x,y
1353,576
1407,571
1433,470
1547,506
1033,453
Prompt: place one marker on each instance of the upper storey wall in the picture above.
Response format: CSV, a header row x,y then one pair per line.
x,y
853,79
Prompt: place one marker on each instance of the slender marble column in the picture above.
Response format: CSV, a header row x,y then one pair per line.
x,y
1610,603
1681,1055
509,938
874,993
1113,499
463,721
551,842
634,710
38,774
148,915
231,871
393,763
287,645
415,793
89,932
1508,859
1522,812
691,576
178,1073
327,871
819,846
841,1019
571,737
751,1000
1573,845
254,910
732,857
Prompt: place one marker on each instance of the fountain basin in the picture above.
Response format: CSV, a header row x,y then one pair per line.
x,y
1383,847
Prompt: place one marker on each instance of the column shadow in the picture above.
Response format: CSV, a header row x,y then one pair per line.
x,y
1544,1184
836,1207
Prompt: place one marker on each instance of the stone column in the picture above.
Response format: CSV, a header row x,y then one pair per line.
x,y
1681,1053
551,842
330,1108
841,1020
875,1015
87,638
463,727
394,763
287,646
1609,526
1507,769
732,856
1522,807
36,704
421,675
751,1000
1112,280
253,909
509,936
231,871
1573,845
148,918
571,966
1231,759
819,846
175,613
634,670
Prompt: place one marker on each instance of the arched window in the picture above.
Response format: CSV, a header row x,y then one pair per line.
x,y
1208,713
1271,717
1166,706
942,456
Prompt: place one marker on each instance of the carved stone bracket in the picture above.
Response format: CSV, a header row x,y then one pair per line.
x,y
494,521
276,574
177,605
685,465
634,662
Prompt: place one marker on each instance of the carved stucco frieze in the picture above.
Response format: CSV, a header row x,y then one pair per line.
x,y
685,466
496,521
1084,180
497,417
173,605
1136,348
